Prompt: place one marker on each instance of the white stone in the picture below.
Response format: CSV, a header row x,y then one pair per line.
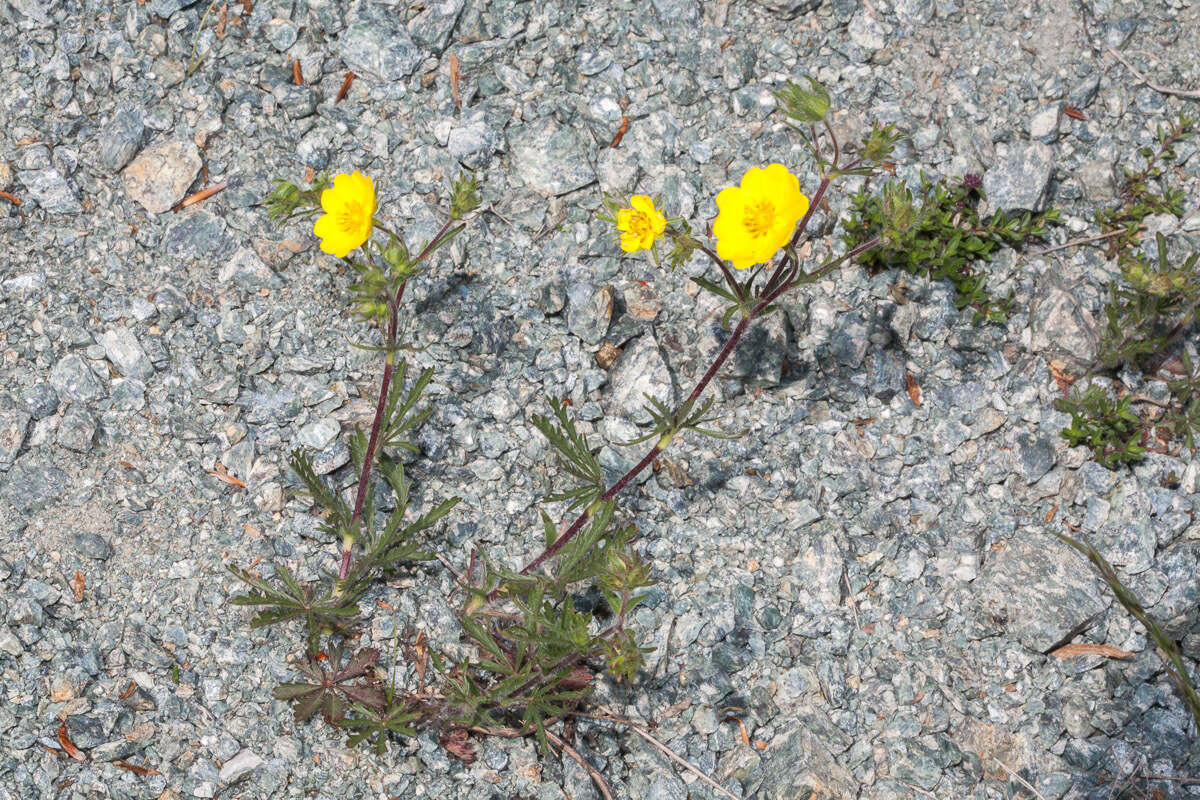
x,y
240,765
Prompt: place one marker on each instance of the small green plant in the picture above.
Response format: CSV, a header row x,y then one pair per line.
x,y
1148,311
1144,192
1152,307
1104,424
939,233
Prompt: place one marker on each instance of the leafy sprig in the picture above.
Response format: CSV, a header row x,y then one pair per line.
x,y
575,456
1108,426
938,232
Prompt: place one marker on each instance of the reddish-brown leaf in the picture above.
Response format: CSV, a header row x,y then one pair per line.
x,y
141,772
578,679
297,75
220,473
914,391
1074,113
10,197
458,745
455,77
345,87
67,745
620,131
1089,649
78,584
129,690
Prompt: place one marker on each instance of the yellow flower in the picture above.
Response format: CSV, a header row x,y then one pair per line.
x,y
757,218
640,224
349,209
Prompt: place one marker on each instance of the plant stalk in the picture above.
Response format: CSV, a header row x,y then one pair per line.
x,y
373,442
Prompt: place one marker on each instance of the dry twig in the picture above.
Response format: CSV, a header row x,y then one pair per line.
x,y
1019,779
1193,94
662,748
592,772
203,194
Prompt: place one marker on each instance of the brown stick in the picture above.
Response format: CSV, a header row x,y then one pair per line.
x,y
1077,242
199,196
455,77
662,748
592,772
616,140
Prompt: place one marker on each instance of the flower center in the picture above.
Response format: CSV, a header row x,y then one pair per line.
x,y
758,218
350,217
639,223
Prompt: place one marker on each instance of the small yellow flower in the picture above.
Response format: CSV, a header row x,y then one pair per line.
x,y
349,209
756,219
640,224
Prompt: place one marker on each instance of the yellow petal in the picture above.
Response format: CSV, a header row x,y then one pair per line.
x,y
778,175
642,203
331,200
325,226
730,197
365,189
755,182
337,246
658,223
624,219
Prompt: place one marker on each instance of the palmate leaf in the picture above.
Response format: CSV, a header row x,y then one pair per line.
x,y
575,455
374,726
330,684
585,555
668,422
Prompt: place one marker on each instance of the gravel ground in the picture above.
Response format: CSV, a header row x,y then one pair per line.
x,y
874,579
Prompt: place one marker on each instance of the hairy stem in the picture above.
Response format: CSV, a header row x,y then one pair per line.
x,y
435,241
373,442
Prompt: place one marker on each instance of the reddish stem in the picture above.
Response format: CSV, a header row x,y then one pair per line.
x,y
647,459
376,424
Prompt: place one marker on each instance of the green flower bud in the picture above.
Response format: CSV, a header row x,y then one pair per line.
x,y
898,211
804,105
395,255
464,197
880,143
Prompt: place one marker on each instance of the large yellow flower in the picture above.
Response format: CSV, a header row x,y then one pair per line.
x,y
640,224
757,218
349,210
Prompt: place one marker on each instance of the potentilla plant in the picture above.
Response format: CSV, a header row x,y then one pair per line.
x,y
536,648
